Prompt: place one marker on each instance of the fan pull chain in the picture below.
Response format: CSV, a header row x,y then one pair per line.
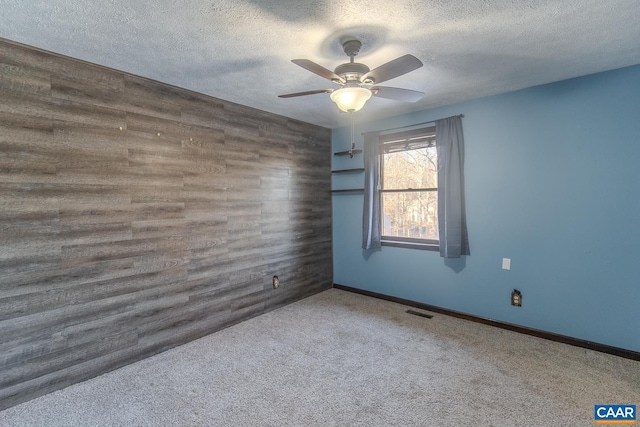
x,y
353,143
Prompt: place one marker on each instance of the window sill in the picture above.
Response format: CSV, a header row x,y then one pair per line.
x,y
411,245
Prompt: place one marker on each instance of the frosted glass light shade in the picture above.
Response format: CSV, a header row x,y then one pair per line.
x,y
350,98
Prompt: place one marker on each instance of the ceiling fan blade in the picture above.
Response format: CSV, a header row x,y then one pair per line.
x,y
317,69
309,92
393,69
397,94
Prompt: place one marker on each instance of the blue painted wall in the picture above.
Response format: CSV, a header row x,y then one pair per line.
x,y
552,182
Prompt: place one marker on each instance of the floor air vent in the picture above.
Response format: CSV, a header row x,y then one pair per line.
x,y
417,313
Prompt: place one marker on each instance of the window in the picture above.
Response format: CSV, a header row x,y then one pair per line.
x,y
409,189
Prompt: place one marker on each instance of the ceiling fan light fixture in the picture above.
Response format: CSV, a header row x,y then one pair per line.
x,y
350,99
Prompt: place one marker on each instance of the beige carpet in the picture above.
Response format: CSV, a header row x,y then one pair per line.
x,y
341,359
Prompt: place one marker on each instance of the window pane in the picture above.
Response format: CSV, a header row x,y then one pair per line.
x,y
410,169
411,214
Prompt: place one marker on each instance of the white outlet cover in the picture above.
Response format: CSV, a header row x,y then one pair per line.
x,y
506,263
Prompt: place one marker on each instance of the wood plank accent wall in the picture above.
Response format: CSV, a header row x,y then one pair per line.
x,y
136,216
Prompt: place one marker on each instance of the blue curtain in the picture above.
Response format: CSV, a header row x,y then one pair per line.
x,y
452,221
371,212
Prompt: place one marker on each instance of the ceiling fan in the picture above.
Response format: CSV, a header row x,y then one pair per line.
x,y
358,83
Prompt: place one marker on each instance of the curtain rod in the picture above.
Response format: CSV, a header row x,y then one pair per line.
x,y
415,124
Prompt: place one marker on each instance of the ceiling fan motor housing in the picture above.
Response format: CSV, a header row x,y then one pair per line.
x,y
351,71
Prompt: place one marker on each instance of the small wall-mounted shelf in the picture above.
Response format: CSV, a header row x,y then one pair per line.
x,y
357,170
349,190
347,153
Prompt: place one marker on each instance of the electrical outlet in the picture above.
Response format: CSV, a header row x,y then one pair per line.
x,y
516,298
276,282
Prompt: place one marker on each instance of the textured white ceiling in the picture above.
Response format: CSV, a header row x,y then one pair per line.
x,y
241,50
